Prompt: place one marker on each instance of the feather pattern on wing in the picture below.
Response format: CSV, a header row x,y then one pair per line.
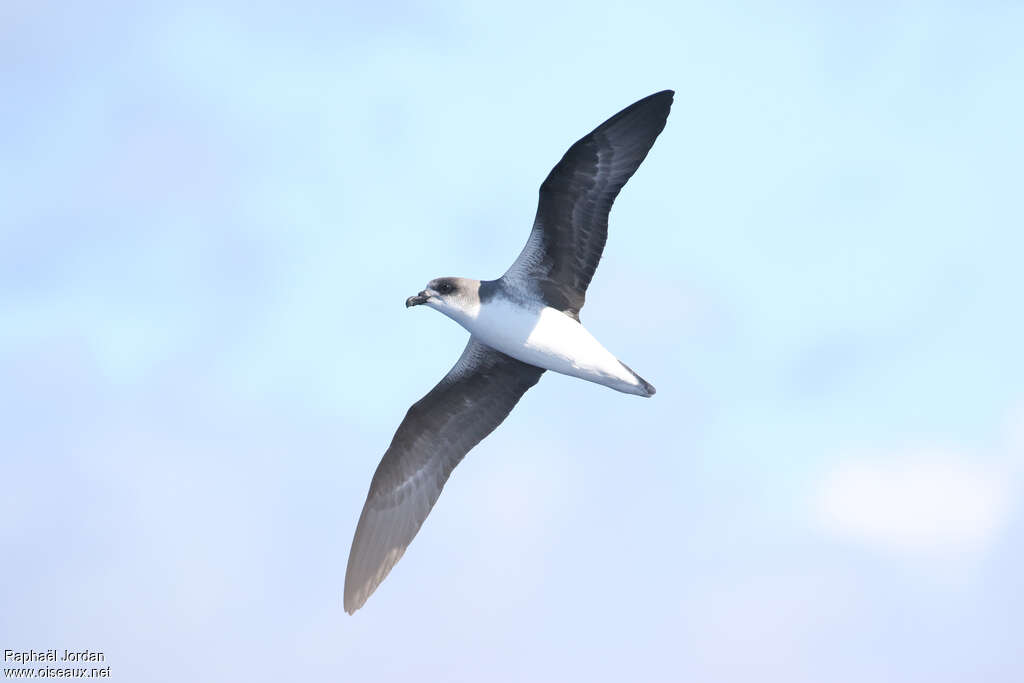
x,y
474,397
571,226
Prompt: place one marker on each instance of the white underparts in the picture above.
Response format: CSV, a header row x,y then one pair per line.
x,y
549,339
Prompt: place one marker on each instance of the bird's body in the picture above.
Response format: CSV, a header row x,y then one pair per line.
x,y
520,325
540,335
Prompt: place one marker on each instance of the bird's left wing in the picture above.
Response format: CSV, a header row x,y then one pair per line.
x,y
474,397
571,226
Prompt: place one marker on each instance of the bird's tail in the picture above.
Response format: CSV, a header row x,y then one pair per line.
x,y
644,388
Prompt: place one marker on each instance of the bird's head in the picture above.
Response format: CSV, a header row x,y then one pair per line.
x,y
456,297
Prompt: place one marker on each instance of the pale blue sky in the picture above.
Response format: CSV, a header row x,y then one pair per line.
x,y
211,214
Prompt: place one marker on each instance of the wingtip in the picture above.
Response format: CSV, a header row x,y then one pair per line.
x,y
352,603
658,104
662,95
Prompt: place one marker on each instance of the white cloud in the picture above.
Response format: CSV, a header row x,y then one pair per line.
x,y
924,501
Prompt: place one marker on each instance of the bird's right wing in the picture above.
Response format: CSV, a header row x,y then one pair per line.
x,y
474,397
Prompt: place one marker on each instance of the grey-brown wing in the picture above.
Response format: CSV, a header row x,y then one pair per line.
x,y
571,225
468,404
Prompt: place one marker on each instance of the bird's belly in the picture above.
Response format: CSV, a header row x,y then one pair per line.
x,y
549,339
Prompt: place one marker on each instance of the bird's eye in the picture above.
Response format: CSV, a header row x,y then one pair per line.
x,y
445,287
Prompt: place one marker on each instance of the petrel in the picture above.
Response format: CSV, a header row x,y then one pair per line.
x,y
525,322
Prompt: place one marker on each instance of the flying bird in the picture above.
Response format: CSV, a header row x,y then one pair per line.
x,y
525,322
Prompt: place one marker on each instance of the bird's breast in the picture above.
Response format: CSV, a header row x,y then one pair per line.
x,y
544,337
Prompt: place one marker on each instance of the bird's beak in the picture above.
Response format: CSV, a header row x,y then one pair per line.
x,y
420,298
